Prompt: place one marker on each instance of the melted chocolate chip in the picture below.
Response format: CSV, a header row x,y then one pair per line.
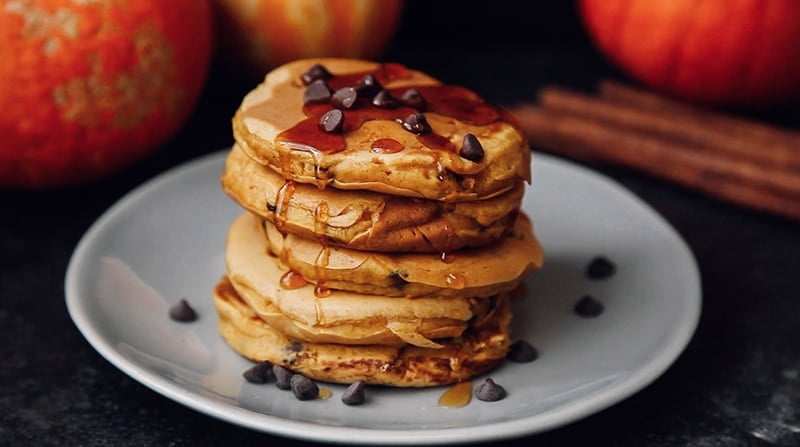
x,y
489,391
385,100
588,306
413,98
303,388
416,123
314,73
332,121
295,346
283,377
522,352
600,268
354,394
344,98
368,86
471,148
259,373
182,312
317,92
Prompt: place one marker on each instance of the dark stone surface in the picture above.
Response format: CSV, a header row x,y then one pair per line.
x,y
737,383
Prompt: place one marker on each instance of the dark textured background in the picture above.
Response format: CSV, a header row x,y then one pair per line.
x,y
736,384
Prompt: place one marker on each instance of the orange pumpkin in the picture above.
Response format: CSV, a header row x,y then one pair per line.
x,y
732,52
89,87
258,35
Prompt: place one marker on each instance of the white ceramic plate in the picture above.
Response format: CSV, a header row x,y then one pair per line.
x,y
164,241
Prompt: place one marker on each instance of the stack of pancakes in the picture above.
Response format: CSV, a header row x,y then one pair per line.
x,y
382,236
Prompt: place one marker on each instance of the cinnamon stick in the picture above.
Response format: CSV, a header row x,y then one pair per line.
x,y
668,119
587,138
736,126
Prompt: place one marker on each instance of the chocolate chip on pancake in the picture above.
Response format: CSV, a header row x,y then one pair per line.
x,y
332,121
413,98
316,72
344,98
471,148
317,92
368,86
416,123
385,100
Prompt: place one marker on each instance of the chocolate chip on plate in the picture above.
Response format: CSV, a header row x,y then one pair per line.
x,y
413,98
471,148
600,268
316,71
354,394
344,98
304,388
261,372
416,123
317,92
385,100
489,391
182,312
368,86
588,306
283,377
332,121
522,352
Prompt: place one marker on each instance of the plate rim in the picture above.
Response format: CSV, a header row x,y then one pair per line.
x,y
559,416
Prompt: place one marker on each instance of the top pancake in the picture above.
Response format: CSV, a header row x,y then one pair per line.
x,y
275,129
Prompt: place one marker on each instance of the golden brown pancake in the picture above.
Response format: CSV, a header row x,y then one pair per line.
x,y
365,220
482,347
272,127
478,272
341,316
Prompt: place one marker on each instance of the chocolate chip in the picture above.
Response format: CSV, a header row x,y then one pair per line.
x,y
261,372
368,86
471,148
344,98
588,306
303,387
354,394
314,73
317,92
522,352
416,123
332,121
283,377
600,268
489,391
295,346
182,312
413,98
385,100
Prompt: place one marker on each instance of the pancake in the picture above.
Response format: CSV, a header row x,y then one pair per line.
x,y
341,316
374,151
366,220
479,272
480,349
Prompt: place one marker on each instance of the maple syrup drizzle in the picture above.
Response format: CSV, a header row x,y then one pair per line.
x,y
324,393
456,280
386,146
457,396
292,280
321,215
447,258
447,100
282,201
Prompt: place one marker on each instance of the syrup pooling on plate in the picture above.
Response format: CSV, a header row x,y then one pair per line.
x,y
361,97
